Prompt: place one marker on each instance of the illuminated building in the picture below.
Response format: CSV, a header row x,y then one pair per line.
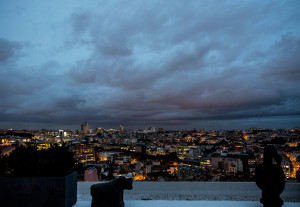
x,y
227,164
84,153
84,128
43,146
206,164
61,133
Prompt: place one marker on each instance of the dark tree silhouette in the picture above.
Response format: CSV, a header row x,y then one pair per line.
x,y
27,161
2,164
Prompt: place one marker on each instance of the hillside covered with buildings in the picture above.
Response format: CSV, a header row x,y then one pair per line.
x,y
166,155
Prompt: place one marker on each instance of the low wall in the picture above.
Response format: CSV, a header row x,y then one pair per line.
x,y
239,191
38,191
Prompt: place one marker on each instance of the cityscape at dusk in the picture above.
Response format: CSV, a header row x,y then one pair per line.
x,y
115,103
155,154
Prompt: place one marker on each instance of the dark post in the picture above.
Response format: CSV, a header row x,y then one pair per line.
x,y
270,178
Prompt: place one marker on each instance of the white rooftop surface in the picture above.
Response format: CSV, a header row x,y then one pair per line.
x,y
179,203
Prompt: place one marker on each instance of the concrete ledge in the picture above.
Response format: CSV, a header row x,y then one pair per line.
x,y
136,203
234,191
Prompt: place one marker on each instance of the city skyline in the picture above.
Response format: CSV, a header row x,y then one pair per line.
x,y
175,65
84,128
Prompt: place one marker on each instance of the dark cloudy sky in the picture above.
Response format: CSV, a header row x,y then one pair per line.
x,y
171,64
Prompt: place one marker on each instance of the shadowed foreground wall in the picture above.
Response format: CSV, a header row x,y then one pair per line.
x,y
38,191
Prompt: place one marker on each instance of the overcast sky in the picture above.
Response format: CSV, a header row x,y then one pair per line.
x,y
170,64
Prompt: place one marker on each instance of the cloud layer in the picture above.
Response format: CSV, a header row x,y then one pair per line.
x,y
140,63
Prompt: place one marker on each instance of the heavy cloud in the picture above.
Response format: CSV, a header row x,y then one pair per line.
x,y
8,50
171,64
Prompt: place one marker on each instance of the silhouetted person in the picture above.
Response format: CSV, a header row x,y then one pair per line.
x,y
270,178
110,194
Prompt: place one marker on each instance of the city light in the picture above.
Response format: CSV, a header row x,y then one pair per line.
x,y
226,155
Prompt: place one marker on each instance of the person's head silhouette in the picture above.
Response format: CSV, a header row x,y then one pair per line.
x,y
270,153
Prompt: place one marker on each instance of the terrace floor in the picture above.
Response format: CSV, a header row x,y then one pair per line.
x,y
179,203
192,194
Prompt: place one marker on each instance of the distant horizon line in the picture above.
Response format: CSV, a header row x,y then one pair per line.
x,y
165,129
